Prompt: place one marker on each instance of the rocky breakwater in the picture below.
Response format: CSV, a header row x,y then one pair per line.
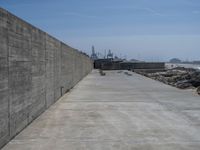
x,y
180,77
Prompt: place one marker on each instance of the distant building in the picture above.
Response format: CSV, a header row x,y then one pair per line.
x,y
94,55
175,60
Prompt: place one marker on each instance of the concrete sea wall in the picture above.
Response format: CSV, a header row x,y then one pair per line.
x,y
35,70
142,65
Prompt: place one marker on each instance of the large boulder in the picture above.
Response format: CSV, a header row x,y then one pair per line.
x,y
183,84
198,90
179,77
195,83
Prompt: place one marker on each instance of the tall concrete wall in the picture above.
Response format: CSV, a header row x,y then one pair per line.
x,y
35,69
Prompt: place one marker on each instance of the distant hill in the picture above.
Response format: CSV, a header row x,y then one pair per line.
x,y
196,62
134,60
175,60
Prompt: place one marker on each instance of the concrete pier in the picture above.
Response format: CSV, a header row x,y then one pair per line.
x,y
35,70
116,111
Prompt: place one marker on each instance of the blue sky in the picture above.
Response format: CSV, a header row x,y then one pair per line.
x,y
153,30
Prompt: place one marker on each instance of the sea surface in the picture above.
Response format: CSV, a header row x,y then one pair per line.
x,y
171,65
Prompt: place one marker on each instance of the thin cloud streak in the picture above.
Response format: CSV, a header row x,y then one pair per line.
x,y
152,11
147,10
74,14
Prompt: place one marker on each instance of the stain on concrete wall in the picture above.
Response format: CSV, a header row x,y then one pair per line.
x,y
35,70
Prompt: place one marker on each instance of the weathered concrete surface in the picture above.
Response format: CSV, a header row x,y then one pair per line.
x,y
4,103
114,112
35,70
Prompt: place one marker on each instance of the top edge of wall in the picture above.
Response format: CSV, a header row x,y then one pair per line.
x,y
61,42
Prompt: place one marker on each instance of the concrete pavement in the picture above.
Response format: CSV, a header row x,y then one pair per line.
x,y
113,112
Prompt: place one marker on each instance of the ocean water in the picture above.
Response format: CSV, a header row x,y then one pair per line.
x,y
171,65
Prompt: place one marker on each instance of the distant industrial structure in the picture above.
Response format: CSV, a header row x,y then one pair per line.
x,y
96,55
109,62
93,55
110,54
